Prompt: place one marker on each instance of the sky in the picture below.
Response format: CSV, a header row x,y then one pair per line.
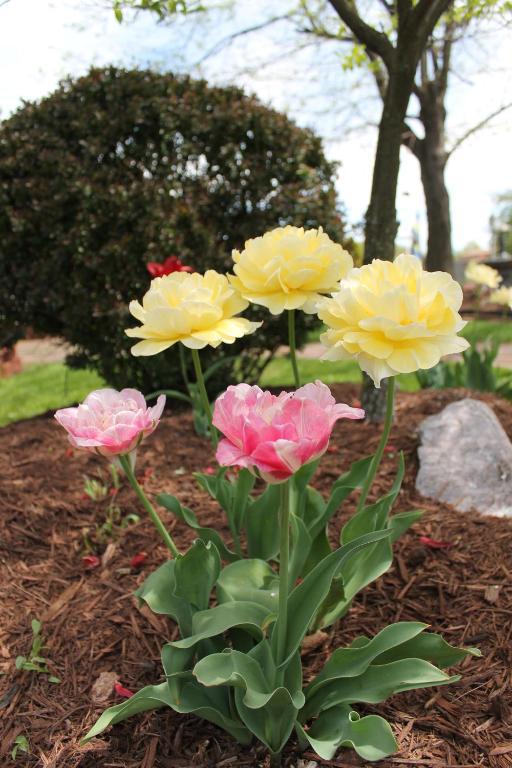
x,y
42,41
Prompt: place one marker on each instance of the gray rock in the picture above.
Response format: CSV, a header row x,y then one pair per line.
x,y
466,459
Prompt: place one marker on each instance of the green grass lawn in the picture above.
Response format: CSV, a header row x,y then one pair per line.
x,y
480,330
279,373
41,388
475,330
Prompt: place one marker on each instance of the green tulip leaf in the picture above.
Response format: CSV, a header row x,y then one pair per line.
x,y
262,524
241,670
376,684
307,596
354,660
341,489
215,621
371,563
374,517
196,573
430,647
151,697
300,548
189,696
273,724
402,521
252,580
316,513
187,516
371,736
158,592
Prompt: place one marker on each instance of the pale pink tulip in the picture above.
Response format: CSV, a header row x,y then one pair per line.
x,y
110,422
276,434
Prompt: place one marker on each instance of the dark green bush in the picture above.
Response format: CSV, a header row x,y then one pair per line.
x,y
119,168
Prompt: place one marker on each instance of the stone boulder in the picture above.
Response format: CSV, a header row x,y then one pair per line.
x,y
466,459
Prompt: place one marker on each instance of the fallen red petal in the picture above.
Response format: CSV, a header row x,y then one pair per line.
x,y
434,543
91,561
123,692
209,471
390,449
138,560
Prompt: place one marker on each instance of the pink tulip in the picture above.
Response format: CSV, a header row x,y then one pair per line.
x,y
276,434
110,422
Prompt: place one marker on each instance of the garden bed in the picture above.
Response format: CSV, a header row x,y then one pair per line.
x,y
92,624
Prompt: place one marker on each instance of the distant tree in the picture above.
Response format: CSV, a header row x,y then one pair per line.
x,y
501,223
463,19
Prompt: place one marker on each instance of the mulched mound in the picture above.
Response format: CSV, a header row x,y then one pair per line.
x,y
92,624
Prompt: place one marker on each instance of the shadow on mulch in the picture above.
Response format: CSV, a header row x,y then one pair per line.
x,y
92,624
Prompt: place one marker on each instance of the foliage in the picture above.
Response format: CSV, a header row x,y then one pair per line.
x,y
21,744
225,668
119,168
475,371
34,662
504,215
244,606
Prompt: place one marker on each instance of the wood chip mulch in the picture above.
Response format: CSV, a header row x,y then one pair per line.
x,y
91,624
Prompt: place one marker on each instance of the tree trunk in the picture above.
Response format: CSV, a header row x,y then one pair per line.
x,y
381,222
432,157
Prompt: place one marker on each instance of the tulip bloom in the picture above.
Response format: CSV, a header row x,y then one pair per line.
x,y
167,267
196,310
482,274
289,268
109,422
393,317
276,434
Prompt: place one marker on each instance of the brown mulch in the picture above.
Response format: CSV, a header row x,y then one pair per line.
x,y
92,624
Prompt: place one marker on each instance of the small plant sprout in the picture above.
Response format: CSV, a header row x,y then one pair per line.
x,y
20,745
94,489
34,662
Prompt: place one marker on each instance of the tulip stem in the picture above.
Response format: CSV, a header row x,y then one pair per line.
x,y
124,460
204,395
390,399
293,346
183,366
284,558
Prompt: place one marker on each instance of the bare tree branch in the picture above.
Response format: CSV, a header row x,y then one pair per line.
x,y
226,41
375,41
476,128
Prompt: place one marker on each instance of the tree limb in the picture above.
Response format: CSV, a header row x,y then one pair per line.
x,y
375,41
424,17
226,41
476,128
411,140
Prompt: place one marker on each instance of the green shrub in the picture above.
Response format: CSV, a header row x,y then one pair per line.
x,y
119,168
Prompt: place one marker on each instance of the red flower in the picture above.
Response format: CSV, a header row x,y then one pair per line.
x,y
170,265
209,471
123,692
91,561
434,543
138,560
